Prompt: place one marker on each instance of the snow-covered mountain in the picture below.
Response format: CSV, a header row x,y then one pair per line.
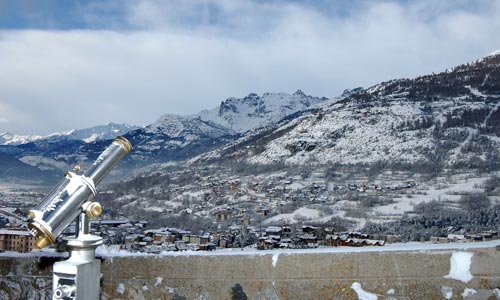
x,y
170,138
253,111
439,120
174,137
446,119
102,132
92,134
7,138
55,153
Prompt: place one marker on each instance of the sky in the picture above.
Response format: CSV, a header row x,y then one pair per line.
x,y
73,64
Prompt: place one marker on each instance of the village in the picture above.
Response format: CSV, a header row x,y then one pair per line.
x,y
309,198
134,236
273,212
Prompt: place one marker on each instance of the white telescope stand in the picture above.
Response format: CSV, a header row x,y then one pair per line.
x,y
78,277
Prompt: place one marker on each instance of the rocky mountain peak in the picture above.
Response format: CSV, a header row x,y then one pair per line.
x,y
253,110
299,92
350,92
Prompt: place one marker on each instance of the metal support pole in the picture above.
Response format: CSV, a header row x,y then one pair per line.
x,y
78,277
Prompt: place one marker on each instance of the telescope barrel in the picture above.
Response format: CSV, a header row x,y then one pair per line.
x,y
64,203
108,159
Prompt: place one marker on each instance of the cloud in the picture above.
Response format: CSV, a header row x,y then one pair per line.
x,y
10,117
185,56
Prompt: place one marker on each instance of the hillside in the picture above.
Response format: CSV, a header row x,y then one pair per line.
x,y
13,170
450,119
175,138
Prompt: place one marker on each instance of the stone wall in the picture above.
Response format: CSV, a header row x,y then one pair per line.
x,y
416,274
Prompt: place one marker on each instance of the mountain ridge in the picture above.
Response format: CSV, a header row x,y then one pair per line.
x,y
91,134
445,119
253,111
169,138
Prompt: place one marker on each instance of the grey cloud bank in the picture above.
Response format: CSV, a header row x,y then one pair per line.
x,y
188,56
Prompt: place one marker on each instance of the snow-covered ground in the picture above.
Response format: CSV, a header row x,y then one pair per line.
x,y
451,191
104,251
303,213
113,251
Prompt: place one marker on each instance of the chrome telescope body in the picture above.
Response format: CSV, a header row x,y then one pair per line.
x,y
73,195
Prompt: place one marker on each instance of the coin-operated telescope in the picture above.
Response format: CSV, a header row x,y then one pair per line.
x,y
71,200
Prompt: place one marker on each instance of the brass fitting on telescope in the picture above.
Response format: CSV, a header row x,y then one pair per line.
x,y
76,168
92,209
42,242
43,237
124,143
31,215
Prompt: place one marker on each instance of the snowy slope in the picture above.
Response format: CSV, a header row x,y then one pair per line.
x,y
176,126
253,111
451,118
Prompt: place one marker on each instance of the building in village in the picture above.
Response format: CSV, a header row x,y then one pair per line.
x,y
16,240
